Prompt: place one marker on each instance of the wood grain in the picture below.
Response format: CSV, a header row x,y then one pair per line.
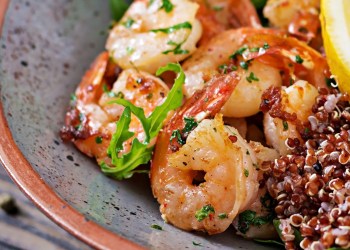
x,y
30,229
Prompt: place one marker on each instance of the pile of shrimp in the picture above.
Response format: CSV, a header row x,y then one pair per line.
x,y
230,60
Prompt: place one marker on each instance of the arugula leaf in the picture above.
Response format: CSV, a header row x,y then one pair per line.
x,y
297,234
118,8
140,152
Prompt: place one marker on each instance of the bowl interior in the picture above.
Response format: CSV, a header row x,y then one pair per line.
x,y
43,56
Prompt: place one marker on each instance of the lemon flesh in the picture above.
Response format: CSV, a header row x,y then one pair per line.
x,y
335,21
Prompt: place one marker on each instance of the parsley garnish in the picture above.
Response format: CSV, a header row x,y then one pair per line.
x,y
204,212
223,216
244,65
98,139
140,152
155,226
111,93
298,59
218,8
176,134
130,50
252,77
167,6
238,52
196,244
185,25
118,8
128,23
177,50
266,46
246,172
285,125
248,218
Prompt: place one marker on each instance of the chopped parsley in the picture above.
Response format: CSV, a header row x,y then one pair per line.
x,y
177,134
256,49
167,6
169,30
98,139
248,218
190,124
218,8
244,65
73,97
130,50
238,52
155,226
246,172
128,23
177,50
223,216
266,46
196,244
247,152
252,77
285,125
204,212
298,59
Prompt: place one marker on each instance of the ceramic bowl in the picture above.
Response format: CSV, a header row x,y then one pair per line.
x,y
45,48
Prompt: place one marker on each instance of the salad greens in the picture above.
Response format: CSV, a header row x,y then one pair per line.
x,y
118,8
140,152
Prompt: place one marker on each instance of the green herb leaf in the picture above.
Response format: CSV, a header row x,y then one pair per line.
x,y
176,134
218,8
128,23
272,242
285,125
185,25
248,218
167,6
266,46
246,172
196,244
118,8
244,65
155,226
238,52
177,50
223,216
140,153
98,139
204,212
252,77
259,4
298,59
190,124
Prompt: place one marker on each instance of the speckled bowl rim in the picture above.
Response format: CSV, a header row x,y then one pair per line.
x,y
41,194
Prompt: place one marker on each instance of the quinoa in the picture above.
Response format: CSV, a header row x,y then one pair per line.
x,y
311,185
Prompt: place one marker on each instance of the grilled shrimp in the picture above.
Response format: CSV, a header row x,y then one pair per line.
x,y
150,35
220,15
299,17
203,184
91,121
263,58
296,100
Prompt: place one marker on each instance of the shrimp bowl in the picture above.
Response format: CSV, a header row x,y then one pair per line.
x,y
175,124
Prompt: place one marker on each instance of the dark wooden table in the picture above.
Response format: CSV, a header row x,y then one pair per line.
x,y
29,228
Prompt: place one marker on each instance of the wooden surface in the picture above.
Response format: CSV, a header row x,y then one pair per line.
x,y
29,228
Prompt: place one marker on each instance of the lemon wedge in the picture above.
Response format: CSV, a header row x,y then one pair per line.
x,y
335,21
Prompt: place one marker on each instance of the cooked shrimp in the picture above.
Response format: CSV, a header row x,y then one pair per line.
x,y
216,155
219,15
299,17
296,99
91,121
263,67
150,36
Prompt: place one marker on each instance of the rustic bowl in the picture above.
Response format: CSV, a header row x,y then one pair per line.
x,y
44,50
